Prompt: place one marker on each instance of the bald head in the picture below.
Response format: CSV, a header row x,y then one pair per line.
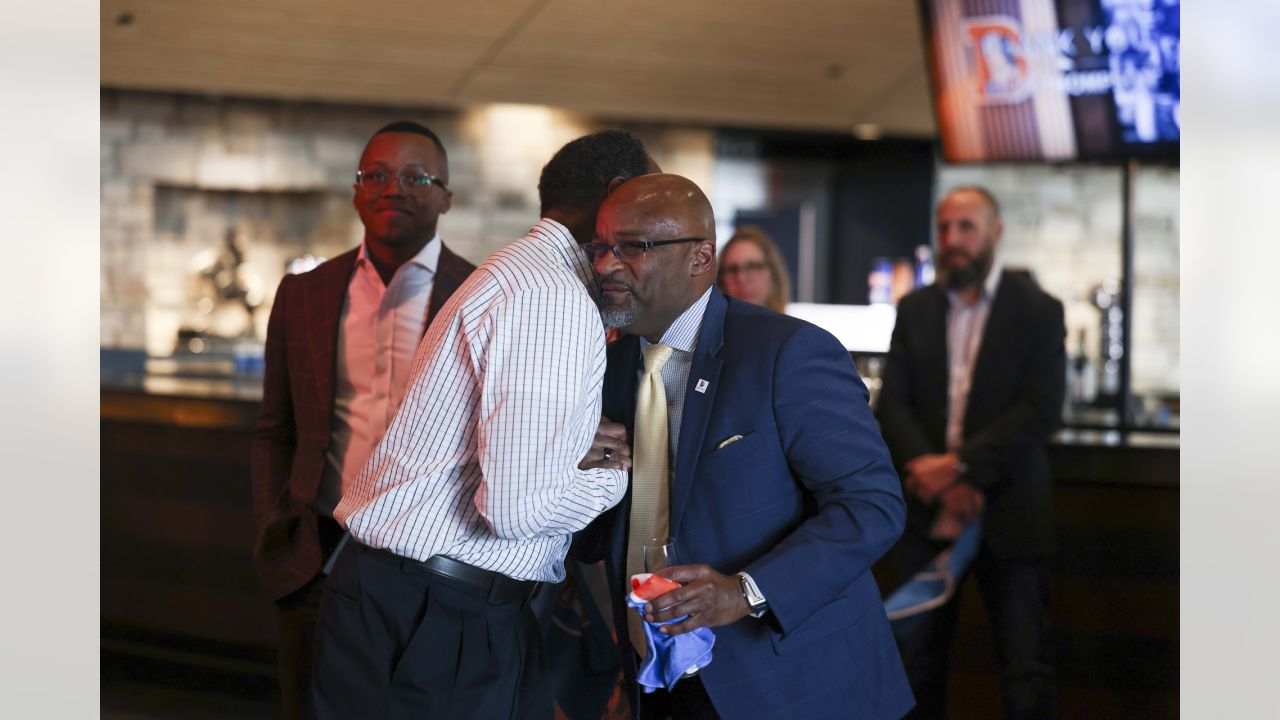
x,y
663,202
646,291
975,193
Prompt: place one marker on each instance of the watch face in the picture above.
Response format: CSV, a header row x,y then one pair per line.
x,y
749,594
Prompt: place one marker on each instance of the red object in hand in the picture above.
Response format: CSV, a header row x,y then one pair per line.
x,y
652,587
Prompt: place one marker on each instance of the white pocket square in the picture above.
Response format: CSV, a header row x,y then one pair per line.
x,y
729,441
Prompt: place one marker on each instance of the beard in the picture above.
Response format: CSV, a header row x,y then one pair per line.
x,y
614,316
971,273
617,317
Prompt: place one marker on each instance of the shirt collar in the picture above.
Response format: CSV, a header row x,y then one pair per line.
x,y
992,282
560,239
428,257
683,333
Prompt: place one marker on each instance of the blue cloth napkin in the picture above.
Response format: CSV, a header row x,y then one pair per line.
x,y
936,582
670,656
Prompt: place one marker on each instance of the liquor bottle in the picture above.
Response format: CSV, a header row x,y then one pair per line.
x,y
924,266
880,282
1084,376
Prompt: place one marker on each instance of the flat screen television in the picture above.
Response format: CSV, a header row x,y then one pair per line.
x,y
1055,80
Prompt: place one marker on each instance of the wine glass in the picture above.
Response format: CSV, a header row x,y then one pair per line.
x,y
659,553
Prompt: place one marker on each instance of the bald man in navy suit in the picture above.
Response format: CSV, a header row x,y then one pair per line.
x,y
781,491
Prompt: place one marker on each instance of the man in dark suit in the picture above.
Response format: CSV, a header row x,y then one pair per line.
x,y
339,345
973,387
771,476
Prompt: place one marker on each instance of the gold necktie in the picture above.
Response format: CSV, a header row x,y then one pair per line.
x,y
650,505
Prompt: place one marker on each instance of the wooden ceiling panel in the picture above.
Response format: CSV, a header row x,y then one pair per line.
x,y
808,66
295,49
808,63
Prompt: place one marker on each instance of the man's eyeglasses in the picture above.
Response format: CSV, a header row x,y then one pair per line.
x,y
410,179
630,248
751,267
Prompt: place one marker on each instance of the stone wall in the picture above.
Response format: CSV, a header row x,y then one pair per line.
x,y
180,172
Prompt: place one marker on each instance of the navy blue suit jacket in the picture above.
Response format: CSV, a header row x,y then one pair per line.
x,y
805,502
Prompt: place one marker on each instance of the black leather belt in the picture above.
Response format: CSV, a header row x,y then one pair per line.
x,y
493,585
330,533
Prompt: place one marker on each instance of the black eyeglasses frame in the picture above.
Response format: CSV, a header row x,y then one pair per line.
x,y
364,178
631,248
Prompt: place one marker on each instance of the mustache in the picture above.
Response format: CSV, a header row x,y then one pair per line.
x,y
613,279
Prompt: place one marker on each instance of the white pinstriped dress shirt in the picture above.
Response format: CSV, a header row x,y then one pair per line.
x,y
481,462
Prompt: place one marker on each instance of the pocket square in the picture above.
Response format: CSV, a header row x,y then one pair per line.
x,y
730,441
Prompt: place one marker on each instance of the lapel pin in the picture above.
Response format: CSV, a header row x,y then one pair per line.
x,y
701,386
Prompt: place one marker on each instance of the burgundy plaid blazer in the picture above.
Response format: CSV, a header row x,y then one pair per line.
x,y
293,429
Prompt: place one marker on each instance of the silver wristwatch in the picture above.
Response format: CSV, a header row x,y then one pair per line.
x,y
759,606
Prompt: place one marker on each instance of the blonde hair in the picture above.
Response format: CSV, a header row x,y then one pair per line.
x,y
779,282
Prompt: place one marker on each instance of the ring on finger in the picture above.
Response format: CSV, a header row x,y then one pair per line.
x,y
607,454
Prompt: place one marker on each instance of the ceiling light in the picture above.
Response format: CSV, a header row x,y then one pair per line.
x,y
867,131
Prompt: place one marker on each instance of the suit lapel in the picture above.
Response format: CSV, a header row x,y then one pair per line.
x,y
937,360
619,405
323,305
451,272
620,382
697,405
1004,308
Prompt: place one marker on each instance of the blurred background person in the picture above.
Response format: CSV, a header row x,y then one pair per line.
x,y
972,390
752,269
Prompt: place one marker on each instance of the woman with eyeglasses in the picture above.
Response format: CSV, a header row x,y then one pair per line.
x,y
752,269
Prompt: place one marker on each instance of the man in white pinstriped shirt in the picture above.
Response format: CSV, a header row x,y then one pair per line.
x,y
473,494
